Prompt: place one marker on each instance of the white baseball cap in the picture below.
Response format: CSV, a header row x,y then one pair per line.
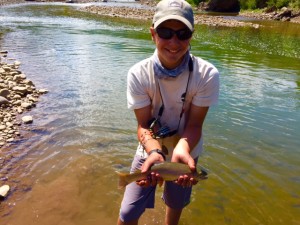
x,y
174,10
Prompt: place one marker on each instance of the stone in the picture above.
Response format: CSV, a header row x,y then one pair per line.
x,y
16,97
17,63
28,82
224,6
17,102
18,77
10,140
19,110
4,93
27,119
4,191
6,68
26,105
8,124
21,90
43,91
3,101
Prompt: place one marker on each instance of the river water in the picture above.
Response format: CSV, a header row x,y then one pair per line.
x,y
62,172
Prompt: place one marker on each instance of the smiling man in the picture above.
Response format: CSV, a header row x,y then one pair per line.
x,y
170,93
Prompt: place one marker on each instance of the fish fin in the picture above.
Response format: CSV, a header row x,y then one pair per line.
x,y
203,175
122,180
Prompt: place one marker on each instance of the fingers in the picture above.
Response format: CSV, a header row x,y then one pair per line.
x,y
186,181
191,163
152,180
152,159
146,166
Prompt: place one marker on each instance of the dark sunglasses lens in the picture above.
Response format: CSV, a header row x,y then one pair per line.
x,y
184,34
164,33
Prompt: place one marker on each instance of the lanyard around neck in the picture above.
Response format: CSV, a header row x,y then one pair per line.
x,y
183,96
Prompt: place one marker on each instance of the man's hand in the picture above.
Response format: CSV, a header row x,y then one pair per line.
x,y
184,157
153,178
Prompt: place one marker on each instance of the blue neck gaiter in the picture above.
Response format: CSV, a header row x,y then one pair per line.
x,y
161,72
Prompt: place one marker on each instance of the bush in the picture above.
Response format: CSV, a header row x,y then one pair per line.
x,y
295,4
278,3
248,4
195,2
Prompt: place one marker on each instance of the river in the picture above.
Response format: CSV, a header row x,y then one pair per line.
x,y
62,171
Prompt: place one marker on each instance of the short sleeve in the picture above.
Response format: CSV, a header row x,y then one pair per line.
x,y
137,94
207,85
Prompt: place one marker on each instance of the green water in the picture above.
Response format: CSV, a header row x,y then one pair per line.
x,y
63,170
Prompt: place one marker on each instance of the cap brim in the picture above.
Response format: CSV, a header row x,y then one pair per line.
x,y
173,17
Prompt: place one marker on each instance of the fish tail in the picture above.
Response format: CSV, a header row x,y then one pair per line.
x,y
202,175
122,180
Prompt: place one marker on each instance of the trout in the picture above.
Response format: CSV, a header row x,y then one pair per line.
x,y
169,171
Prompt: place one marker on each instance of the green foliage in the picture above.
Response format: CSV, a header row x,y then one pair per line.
x,y
196,2
295,4
257,4
278,3
248,4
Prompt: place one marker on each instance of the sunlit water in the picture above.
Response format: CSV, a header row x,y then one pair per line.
x,y
63,171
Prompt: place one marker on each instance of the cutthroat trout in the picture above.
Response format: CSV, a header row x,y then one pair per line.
x,y
169,171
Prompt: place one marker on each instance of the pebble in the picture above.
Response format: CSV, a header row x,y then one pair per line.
x,y
27,119
4,191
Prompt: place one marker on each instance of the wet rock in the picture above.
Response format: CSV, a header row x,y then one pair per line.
x,y
43,91
27,119
3,101
4,191
223,6
4,93
26,105
20,90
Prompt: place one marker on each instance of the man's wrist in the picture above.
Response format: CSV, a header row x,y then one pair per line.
x,y
158,151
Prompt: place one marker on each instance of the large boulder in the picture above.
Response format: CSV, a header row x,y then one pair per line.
x,y
223,6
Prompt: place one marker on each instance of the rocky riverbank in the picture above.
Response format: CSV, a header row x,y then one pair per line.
x,y
285,15
147,14
200,16
18,94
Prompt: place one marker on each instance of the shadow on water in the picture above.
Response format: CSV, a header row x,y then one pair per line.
x,y
62,172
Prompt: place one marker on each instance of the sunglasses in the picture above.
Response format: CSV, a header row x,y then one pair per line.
x,y
167,33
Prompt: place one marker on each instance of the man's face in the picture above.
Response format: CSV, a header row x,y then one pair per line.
x,y
170,51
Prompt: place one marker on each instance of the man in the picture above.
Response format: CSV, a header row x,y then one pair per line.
x,y
170,93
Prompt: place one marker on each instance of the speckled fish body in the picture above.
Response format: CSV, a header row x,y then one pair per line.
x,y
169,171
